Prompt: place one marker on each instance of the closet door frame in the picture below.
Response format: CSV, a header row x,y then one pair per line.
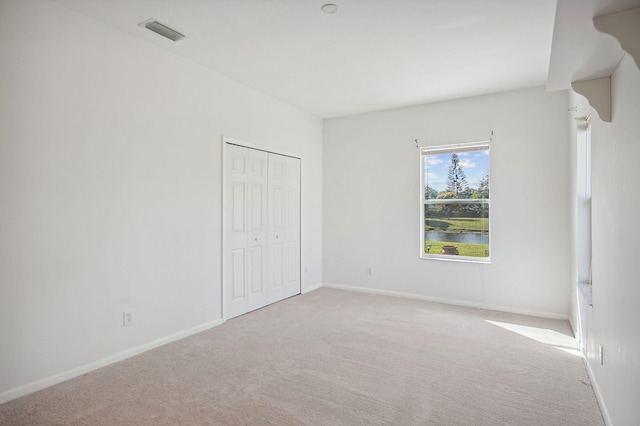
x,y
226,141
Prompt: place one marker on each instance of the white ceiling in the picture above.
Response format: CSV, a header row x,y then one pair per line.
x,y
370,55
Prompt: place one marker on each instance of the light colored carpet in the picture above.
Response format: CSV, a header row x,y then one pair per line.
x,y
331,357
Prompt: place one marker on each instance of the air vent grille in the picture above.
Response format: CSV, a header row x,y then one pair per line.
x,y
163,30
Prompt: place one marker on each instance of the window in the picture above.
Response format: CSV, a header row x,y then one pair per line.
x,y
583,200
455,202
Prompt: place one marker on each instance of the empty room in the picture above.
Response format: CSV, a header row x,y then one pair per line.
x,y
285,212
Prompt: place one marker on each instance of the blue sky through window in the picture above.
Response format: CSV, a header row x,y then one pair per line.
x,y
436,168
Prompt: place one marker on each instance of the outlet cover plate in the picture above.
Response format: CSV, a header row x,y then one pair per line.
x,y
127,317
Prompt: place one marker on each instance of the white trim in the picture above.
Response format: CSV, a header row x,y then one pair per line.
x,y
311,288
596,391
78,371
457,147
454,302
454,258
433,201
461,147
227,140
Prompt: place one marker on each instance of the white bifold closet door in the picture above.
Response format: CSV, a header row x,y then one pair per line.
x,y
283,213
261,229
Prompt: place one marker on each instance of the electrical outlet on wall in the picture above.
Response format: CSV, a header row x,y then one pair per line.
x,y
127,317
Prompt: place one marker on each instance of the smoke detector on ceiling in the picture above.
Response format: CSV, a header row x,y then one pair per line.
x,y
329,8
163,30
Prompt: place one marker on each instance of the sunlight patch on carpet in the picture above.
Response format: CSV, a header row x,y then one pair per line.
x,y
543,335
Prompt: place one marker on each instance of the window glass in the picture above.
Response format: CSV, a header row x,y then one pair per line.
x,y
455,202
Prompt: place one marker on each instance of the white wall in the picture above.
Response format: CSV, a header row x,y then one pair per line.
x,y
614,319
110,190
371,202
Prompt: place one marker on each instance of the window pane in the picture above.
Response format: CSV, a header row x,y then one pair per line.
x,y
456,201
456,175
457,229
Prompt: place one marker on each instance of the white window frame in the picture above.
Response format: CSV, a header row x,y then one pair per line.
x,y
451,148
583,200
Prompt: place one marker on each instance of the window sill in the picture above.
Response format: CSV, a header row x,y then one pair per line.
x,y
462,259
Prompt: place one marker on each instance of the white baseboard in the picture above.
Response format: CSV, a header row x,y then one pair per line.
x,y
64,376
542,314
311,288
596,390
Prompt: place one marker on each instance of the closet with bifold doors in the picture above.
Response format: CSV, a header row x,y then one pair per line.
x,y
261,228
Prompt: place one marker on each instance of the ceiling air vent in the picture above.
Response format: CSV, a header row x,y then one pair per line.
x,y
163,30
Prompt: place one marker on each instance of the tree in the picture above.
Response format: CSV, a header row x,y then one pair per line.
x,y
456,179
430,193
483,186
477,210
447,209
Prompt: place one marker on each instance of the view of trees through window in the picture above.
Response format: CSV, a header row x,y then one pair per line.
x,y
456,201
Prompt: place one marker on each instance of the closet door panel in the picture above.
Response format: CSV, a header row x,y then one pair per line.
x,y
276,219
256,266
237,275
235,232
257,223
